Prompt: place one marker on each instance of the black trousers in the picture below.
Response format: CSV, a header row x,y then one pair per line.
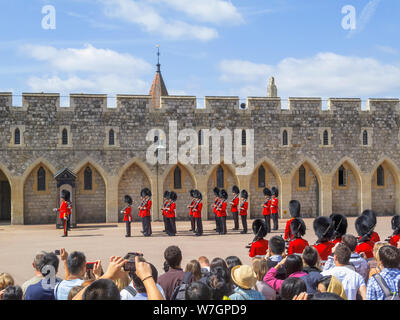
x,y
192,224
268,222
146,225
128,228
217,223
69,223
222,225
244,223
65,224
165,222
198,226
236,220
171,226
275,220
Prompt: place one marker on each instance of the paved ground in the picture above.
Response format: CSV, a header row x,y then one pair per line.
x,y
19,244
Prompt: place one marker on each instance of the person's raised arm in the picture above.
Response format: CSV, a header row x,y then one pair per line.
x,y
64,257
143,271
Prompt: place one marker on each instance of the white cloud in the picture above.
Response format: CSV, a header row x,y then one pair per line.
x,y
212,11
87,69
324,75
141,13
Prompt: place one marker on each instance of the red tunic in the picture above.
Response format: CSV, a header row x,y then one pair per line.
x,y
63,209
367,248
191,208
234,207
394,240
128,214
216,202
324,249
172,210
164,210
267,208
221,212
145,211
375,237
258,248
69,209
274,205
197,210
297,246
243,209
288,231
337,240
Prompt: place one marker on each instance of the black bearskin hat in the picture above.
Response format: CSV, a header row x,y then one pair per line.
x,y
275,191
223,194
166,194
197,194
323,228
396,224
145,192
173,196
191,193
372,217
339,225
128,199
235,189
298,227
244,194
294,208
364,226
216,191
66,195
267,192
259,228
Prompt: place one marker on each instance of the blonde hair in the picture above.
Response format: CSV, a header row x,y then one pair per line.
x,y
375,251
260,268
74,291
6,280
194,267
122,282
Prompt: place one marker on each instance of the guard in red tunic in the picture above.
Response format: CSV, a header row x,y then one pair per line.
x,y
171,214
198,205
275,207
163,209
221,211
364,227
216,204
339,227
145,211
323,228
372,216
191,211
259,246
127,212
234,207
267,208
298,230
294,209
394,239
243,210
63,210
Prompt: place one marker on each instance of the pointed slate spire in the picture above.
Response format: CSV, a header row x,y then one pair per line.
x,y
158,88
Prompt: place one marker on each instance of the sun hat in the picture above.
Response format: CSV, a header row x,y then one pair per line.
x,y
243,276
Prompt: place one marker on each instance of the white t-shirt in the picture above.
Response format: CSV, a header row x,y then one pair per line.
x,y
126,295
351,280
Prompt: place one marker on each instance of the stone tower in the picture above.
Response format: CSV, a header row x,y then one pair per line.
x,y
272,89
158,88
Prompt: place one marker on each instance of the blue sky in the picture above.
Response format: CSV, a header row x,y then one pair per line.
x,y
208,47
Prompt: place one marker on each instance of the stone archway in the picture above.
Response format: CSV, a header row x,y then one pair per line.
x,y
5,198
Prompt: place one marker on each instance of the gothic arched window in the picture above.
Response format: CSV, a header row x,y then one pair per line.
x,y
220,177
177,178
64,137
326,138
342,177
88,179
365,138
243,137
285,141
17,136
261,177
302,177
41,179
200,137
380,176
111,137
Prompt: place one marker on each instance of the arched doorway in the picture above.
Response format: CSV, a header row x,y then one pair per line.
x,y
5,199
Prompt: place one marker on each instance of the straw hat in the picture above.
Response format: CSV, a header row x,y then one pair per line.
x,y
243,276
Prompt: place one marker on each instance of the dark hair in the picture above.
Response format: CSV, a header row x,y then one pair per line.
x,y
198,291
350,241
219,282
277,244
310,256
292,287
218,262
76,262
173,256
12,293
343,254
166,266
326,296
102,289
49,259
232,261
325,281
194,267
293,264
139,286
389,256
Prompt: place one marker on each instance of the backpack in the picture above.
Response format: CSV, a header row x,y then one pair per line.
x,y
389,295
179,291
131,290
